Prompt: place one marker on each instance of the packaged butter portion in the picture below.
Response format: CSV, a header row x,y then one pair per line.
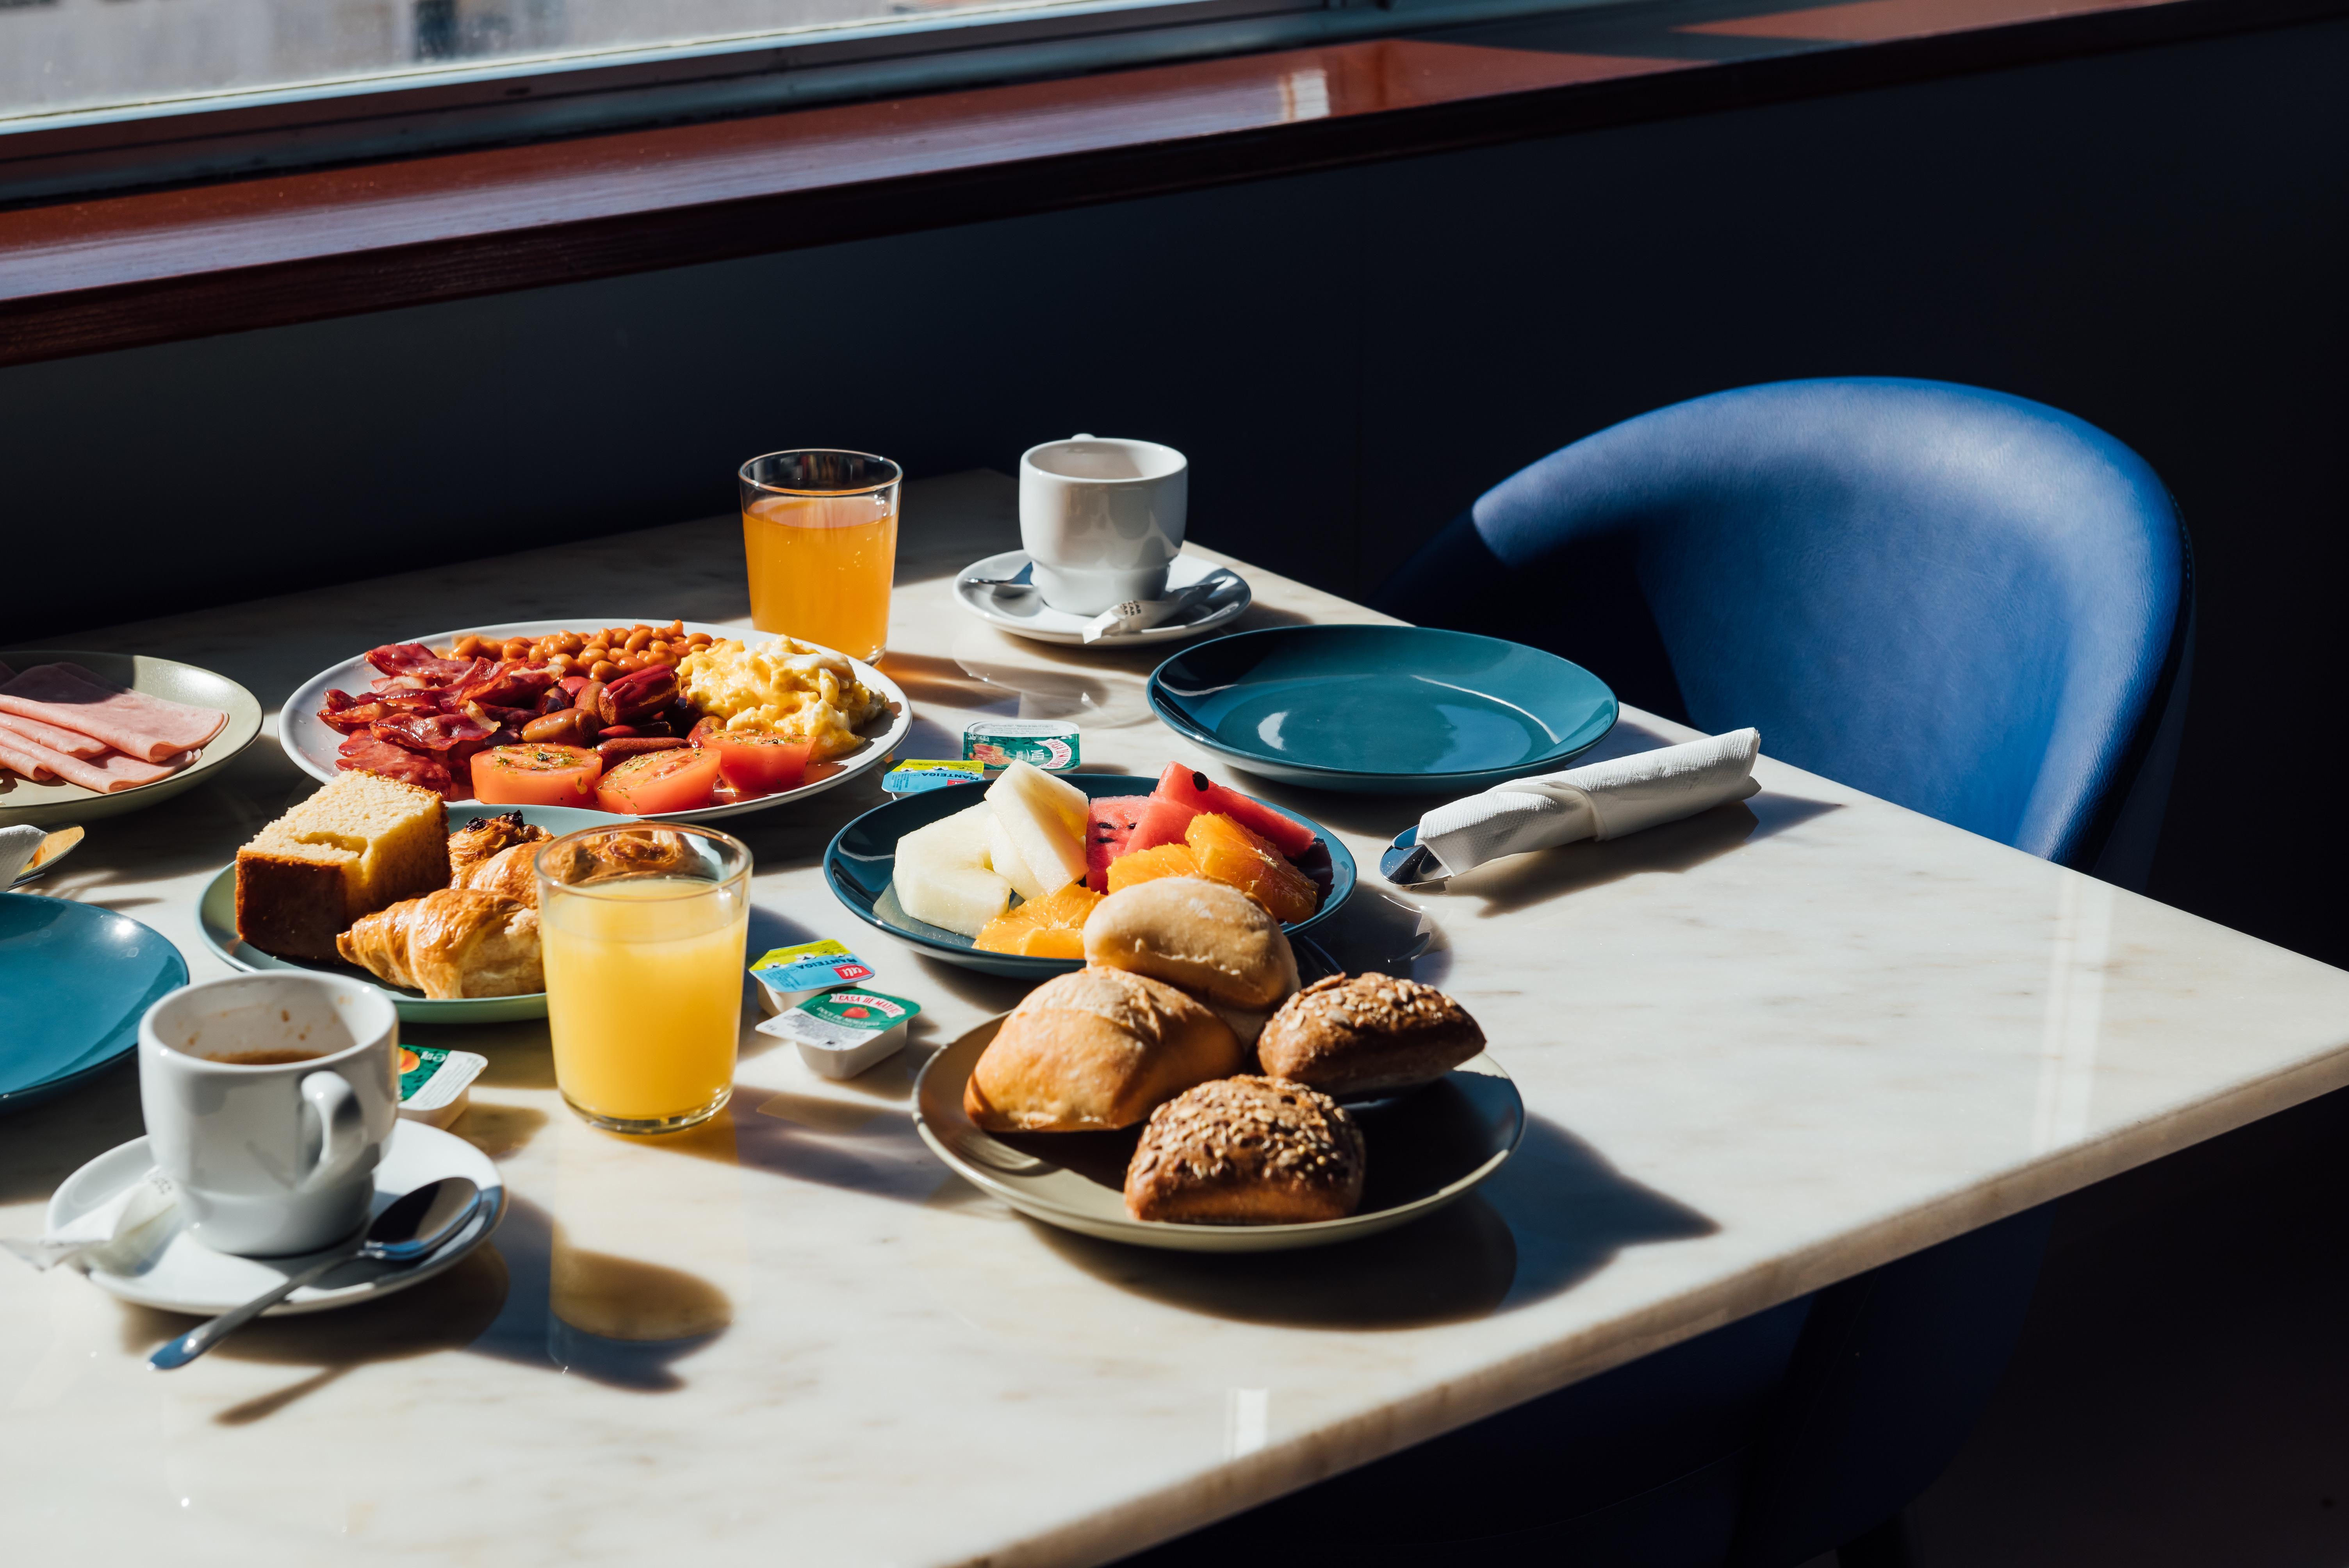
x,y
913,777
1047,743
435,1086
790,976
842,1033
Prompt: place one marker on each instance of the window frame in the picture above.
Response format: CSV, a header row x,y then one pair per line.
x,y
441,108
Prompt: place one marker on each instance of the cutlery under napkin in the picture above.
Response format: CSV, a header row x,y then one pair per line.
x,y
119,1231
1142,614
17,847
1603,801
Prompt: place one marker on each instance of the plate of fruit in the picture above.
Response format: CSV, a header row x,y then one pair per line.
x,y
954,870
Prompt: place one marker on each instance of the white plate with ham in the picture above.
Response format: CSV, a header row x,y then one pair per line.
x,y
470,697
90,735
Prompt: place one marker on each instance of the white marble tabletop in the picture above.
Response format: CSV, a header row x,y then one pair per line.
x,y
1762,1049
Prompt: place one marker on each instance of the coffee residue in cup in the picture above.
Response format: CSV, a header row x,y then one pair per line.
x,y
266,1058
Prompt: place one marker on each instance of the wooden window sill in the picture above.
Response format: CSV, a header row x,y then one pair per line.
x,y
88,277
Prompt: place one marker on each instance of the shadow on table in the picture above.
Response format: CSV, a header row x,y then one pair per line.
x,y
1557,1214
527,1297
46,1141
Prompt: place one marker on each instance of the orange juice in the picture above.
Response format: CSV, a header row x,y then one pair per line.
x,y
644,996
821,567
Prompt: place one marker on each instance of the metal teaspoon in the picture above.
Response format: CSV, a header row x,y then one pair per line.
x,y
408,1232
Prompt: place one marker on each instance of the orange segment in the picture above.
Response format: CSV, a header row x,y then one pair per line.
x,y
1149,865
1039,925
1228,853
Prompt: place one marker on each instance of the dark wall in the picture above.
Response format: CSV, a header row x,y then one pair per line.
x,y
2157,241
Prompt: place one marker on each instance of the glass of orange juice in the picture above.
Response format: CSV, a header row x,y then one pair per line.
x,y
820,534
642,931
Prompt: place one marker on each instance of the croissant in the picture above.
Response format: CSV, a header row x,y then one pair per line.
x,y
509,872
453,941
483,837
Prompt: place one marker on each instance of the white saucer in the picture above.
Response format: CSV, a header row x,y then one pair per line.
x,y
1028,615
185,1276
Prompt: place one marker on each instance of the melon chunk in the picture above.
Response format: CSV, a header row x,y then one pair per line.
x,y
1196,790
1046,819
1114,820
943,875
1004,856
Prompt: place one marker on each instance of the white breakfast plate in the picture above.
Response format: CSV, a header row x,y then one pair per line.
x,y
1423,1149
311,743
1028,615
58,804
180,1273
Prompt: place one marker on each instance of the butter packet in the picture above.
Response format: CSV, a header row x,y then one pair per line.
x,y
790,976
435,1086
1043,743
842,1033
913,777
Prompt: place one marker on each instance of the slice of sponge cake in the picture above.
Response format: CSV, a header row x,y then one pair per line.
x,y
362,842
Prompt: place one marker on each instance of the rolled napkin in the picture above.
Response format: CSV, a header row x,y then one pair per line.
x,y
1603,801
18,848
1142,614
118,1233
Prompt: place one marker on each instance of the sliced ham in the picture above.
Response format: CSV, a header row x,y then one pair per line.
x,y
106,775
148,728
71,742
21,757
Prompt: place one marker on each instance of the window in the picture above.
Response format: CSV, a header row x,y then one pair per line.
x,y
98,94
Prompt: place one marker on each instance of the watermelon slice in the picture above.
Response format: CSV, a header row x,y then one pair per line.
x,y
1114,818
1165,822
1194,790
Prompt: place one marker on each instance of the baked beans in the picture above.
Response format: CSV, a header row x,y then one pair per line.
x,y
603,655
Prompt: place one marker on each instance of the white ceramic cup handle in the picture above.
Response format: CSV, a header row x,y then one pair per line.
x,y
342,1125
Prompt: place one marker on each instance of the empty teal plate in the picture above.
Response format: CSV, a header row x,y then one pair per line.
x,y
860,861
74,980
1383,709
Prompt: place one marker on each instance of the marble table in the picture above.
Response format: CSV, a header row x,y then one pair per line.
x,y
1762,1049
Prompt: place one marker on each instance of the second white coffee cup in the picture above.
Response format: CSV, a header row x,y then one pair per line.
x,y
268,1099
1101,518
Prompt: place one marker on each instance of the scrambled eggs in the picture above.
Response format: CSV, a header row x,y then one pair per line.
x,y
782,686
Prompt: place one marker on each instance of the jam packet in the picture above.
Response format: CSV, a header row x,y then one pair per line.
x,y
435,1086
842,1033
1050,745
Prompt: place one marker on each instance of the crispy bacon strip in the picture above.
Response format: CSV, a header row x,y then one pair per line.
x,y
366,753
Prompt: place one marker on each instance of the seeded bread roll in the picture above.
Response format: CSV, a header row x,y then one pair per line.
x,y
1094,1050
1246,1151
1211,939
1367,1033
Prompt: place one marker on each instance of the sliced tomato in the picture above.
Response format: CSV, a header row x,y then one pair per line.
x,y
654,782
759,761
536,774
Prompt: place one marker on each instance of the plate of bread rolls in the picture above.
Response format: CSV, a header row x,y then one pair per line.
x,y
1184,1090
383,880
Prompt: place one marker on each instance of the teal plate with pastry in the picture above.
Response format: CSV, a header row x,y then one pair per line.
x,y
1383,709
216,923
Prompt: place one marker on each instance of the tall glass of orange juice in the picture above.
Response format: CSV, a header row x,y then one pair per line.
x,y
642,931
820,533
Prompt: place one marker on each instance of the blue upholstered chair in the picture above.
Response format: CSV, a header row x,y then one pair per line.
x,y
1974,605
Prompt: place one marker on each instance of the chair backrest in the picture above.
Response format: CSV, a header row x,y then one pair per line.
x,y
1968,603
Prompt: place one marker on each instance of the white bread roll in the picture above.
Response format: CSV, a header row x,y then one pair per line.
x,y
1208,938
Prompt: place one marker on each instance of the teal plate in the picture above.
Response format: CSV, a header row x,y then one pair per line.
x,y
74,980
859,861
1383,709
216,922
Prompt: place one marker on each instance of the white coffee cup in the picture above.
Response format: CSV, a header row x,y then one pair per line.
x,y
1101,519
275,1152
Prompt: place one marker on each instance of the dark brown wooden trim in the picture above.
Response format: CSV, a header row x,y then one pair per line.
x,y
89,276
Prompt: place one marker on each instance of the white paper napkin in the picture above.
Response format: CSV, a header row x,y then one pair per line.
x,y
118,1233
1604,800
17,847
